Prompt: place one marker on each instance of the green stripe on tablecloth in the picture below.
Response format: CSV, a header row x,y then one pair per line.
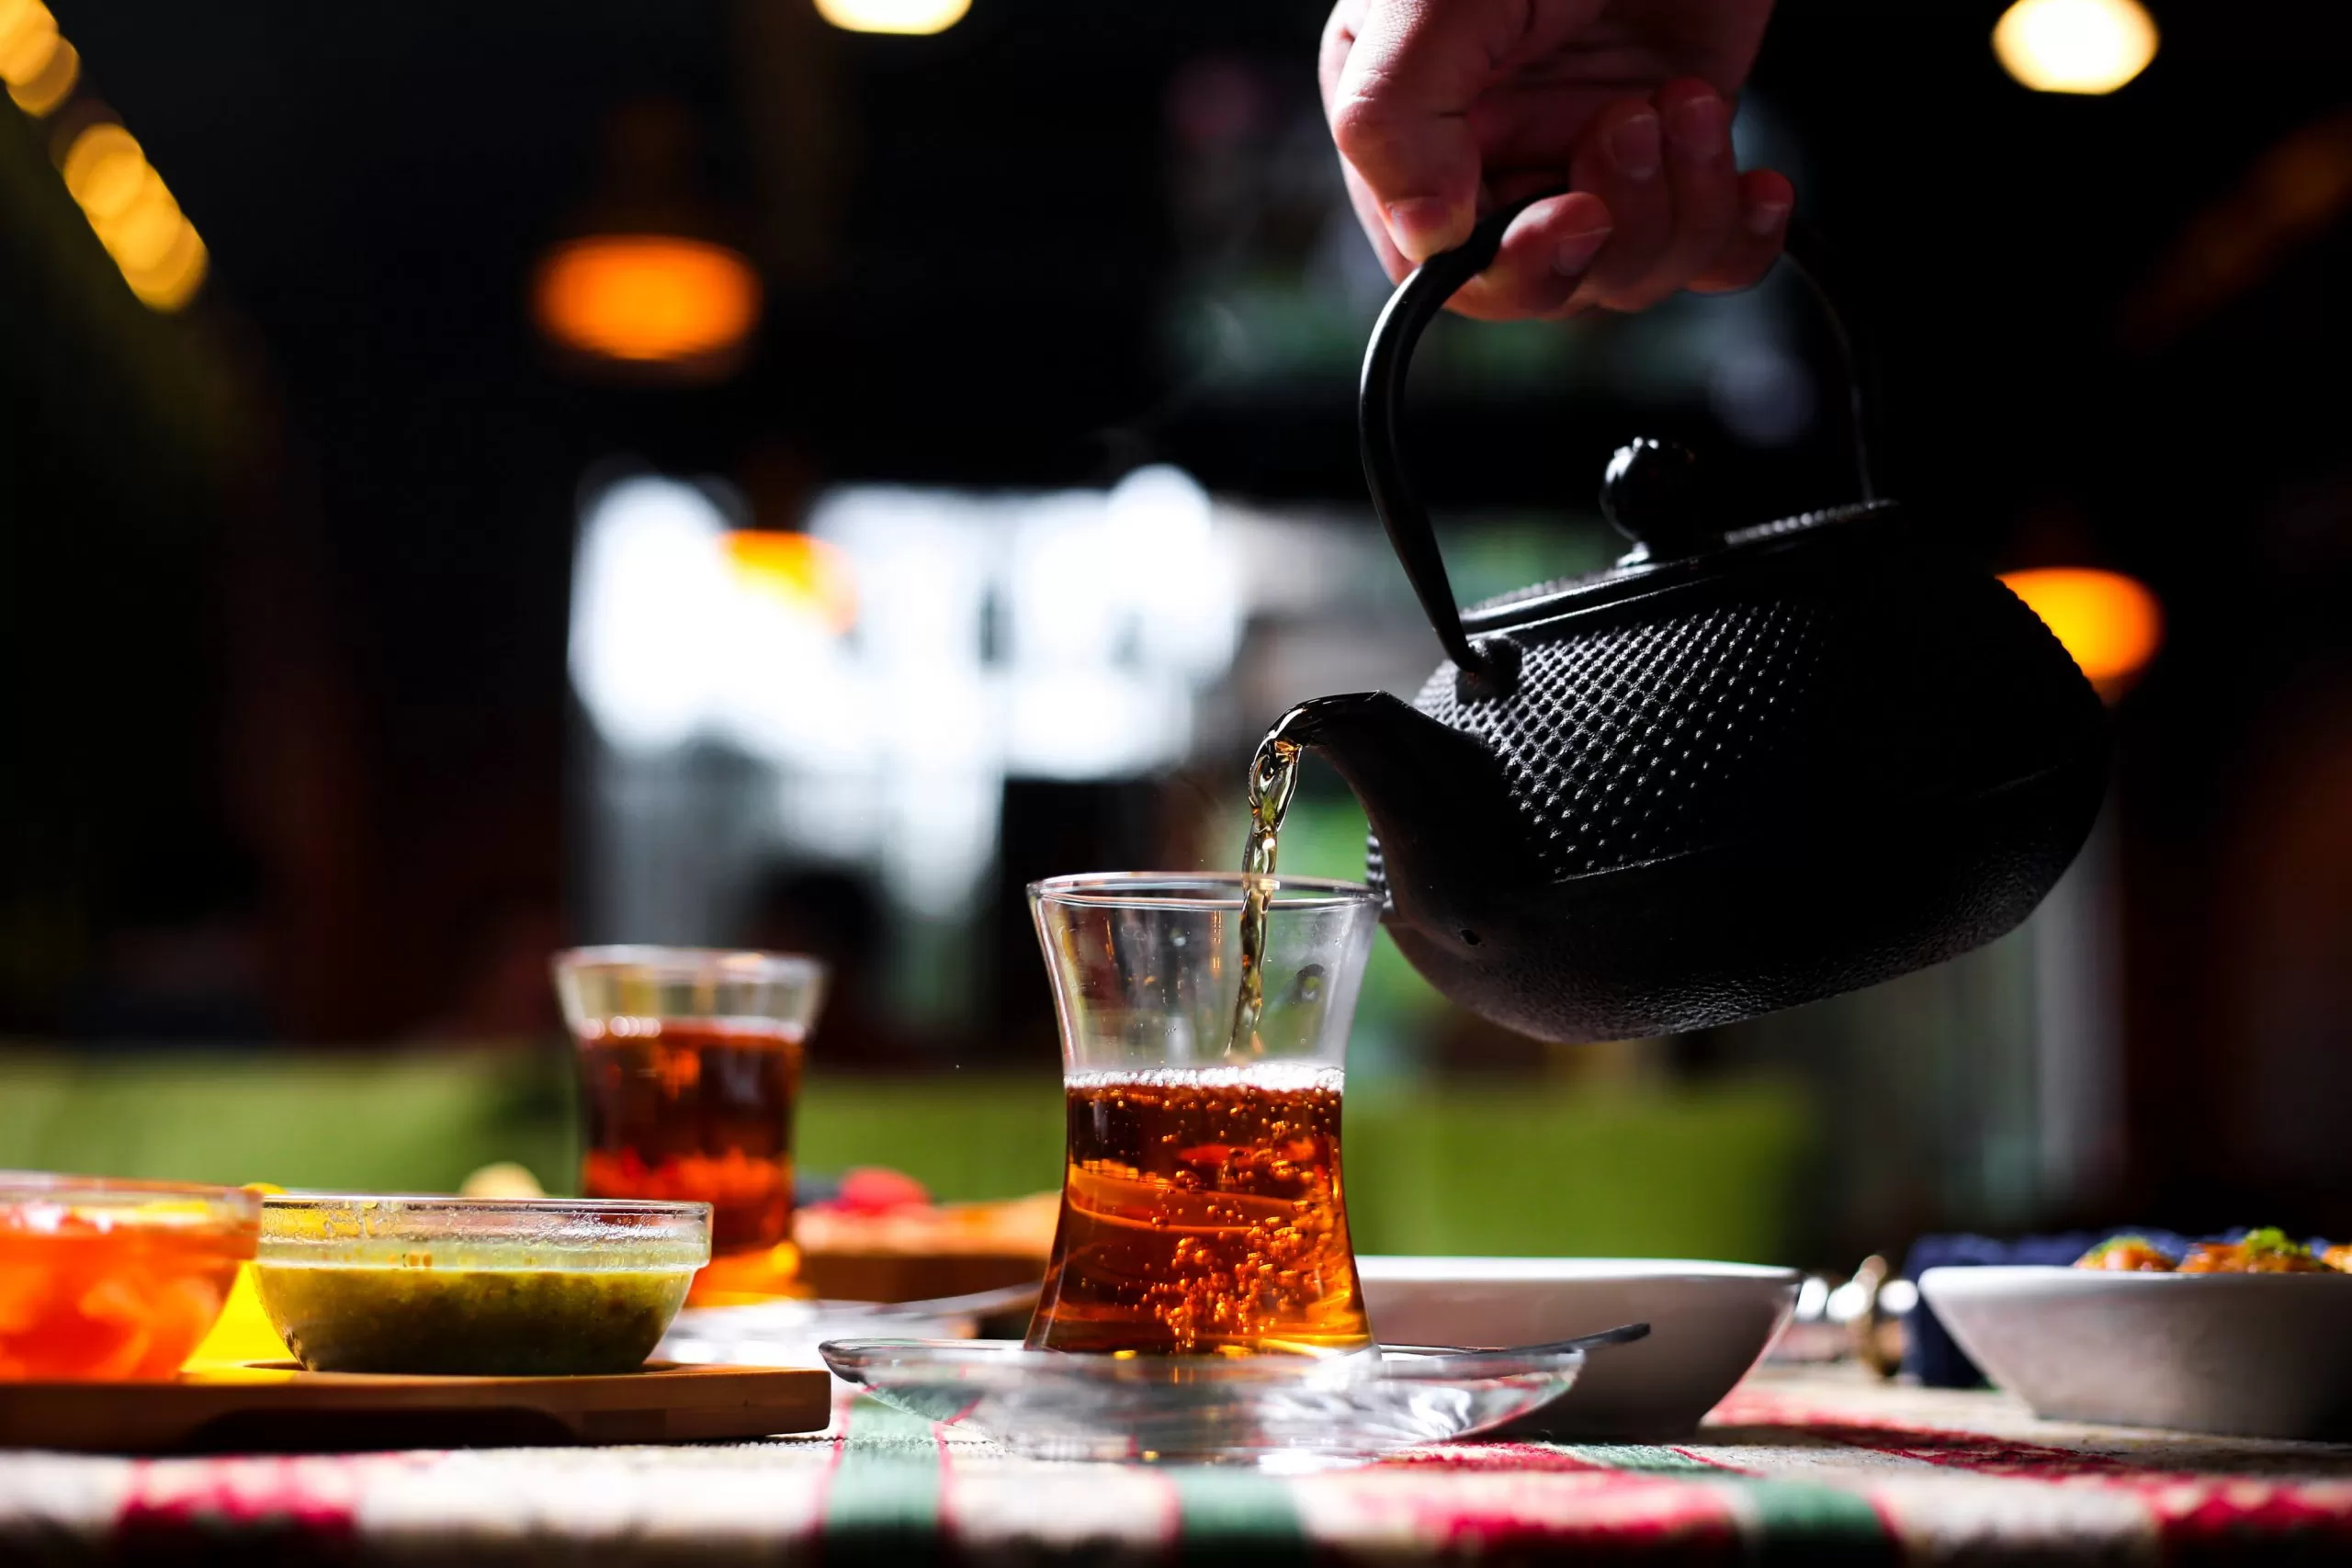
x,y
1236,1516
1799,1522
884,1500
1631,1455
1790,1522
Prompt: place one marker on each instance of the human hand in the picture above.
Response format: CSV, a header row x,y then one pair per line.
x,y
1441,108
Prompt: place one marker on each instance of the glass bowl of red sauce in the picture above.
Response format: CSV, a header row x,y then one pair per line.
x,y
108,1280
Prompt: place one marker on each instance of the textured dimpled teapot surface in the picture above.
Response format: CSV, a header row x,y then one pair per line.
x,y
1642,754
1640,733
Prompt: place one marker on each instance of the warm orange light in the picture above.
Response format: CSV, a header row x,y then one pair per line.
x,y
807,576
647,298
2075,46
106,168
176,275
911,17
134,215
2112,624
142,234
42,90
27,41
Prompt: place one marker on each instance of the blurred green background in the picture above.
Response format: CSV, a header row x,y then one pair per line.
x,y
1462,1168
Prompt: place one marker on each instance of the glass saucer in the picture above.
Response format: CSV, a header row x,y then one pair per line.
x,y
1274,1411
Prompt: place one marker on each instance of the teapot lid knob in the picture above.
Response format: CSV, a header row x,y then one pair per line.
x,y
1651,494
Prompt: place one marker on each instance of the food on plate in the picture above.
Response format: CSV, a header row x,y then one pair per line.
x,y
2267,1251
883,1211
881,1238
2127,1255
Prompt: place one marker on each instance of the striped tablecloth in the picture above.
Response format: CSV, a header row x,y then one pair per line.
x,y
1798,1468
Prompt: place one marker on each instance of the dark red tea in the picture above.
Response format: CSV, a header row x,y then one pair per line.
x,y
699,1108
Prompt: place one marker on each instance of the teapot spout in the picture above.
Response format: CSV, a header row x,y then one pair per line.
x,y
1437,799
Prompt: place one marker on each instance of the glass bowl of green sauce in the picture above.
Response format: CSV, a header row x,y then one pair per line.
x,y
481,1287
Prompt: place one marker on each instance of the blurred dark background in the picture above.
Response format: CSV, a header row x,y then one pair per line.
x,y
298,757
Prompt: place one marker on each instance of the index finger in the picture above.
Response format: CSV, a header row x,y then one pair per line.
x,y
1398,79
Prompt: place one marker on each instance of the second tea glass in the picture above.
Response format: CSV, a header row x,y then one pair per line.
x,y
1203,1210
690,1069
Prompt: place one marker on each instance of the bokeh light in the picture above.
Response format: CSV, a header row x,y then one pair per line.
x,y
2075,46
914,17
2111,622
647,298
176,274
38,92
105,168
134,215
810,577
29,41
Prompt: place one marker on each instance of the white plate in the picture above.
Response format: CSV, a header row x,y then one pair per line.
x,y
2255,1355
1709,1324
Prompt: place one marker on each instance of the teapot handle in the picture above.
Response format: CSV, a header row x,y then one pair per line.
x,y
1380,402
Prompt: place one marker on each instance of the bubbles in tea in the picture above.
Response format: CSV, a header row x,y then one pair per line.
x,y
1202,1214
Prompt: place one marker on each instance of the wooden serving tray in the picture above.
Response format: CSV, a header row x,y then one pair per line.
x,y
278,1407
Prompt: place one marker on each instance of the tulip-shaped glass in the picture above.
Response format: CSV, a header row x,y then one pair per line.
x,y
1202,1209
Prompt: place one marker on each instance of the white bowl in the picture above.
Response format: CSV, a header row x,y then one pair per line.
x,y
2253,1354
1709,1324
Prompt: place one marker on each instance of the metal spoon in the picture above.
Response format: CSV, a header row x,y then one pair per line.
x,y
1490,1356
976,1303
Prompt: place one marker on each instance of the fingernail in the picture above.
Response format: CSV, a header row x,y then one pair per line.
x,y
1765,216
1421,226
1572,254
1696,124
1633,147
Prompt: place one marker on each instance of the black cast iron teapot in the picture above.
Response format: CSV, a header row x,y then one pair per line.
x,y
1741,768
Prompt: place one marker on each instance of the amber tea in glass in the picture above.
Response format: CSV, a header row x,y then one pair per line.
x,y
1202,1209
689,1076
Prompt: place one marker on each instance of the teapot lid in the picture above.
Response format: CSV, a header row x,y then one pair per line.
x,y
1649,493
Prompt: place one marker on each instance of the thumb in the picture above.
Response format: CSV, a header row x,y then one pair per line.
x,y
1406,72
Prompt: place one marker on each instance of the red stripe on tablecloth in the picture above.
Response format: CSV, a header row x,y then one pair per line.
x,y
300,1506
2218,1512
1944,1445
1983,1455
2191,1511
1525,1497
1600,1511
1494,1456
823,1495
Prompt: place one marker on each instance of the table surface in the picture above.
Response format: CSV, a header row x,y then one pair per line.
x,y
1802,1466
